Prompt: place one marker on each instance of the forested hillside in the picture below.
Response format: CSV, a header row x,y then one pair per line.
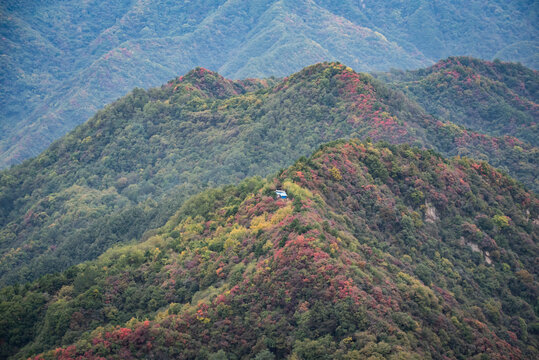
x,y
381,252
131,166
492,97
61,61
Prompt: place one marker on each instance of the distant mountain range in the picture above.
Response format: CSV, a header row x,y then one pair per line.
x,y
130,167
61,61
380,252
497,98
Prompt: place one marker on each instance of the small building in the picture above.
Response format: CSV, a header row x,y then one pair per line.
x,y
281,194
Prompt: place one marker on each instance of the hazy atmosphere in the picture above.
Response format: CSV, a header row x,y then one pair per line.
x,y
234,179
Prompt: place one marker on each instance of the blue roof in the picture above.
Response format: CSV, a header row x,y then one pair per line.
x,y
281,193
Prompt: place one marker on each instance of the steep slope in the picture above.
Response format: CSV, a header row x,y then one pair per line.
x,y
132,164
63,60
492,97
484,29
154,41
382,251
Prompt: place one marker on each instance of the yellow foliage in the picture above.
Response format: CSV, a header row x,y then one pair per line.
x,y
336,173
215,242
407,278
372,150
190,227
501,221
281,214
446,263
259,223
297,191
237,232
386,152
66,291
155,253
230,243
203,319
422,295
234,236
162,315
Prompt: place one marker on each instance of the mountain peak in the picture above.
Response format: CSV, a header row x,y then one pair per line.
x,y
321,69
200,73
204,129
366,245
211,84
496,97
208,83
328,74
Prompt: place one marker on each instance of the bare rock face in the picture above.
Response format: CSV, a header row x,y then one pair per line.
x,y
488,260
475,248
430,213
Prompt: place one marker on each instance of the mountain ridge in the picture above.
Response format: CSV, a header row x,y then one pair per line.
x,y
65,60
139,158
382,250
493,97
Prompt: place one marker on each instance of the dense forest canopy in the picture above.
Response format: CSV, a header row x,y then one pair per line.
x,y
131,166
495,98
61,61
381,251
155,227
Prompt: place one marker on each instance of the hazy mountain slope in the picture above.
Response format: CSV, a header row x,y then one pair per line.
x,y
44,44
492,97
64,60
133,163
439,29
140,51
382,251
